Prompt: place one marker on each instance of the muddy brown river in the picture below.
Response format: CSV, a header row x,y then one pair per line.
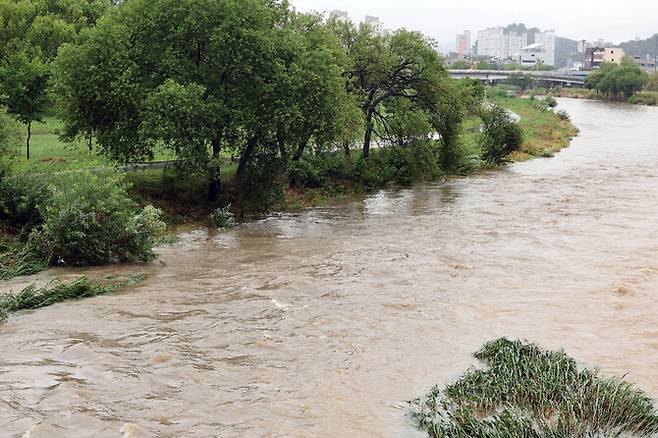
x,y
324,323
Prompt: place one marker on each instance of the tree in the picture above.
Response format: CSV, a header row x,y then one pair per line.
x,y
24,83
40,27
501,135
387,69
460,64
618,81
9,141
202,76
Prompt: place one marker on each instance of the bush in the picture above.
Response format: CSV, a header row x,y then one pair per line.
x,y
366,174
550,101
21,193
500,135
10,137
90,220
302,173
563,115
223,218
261,186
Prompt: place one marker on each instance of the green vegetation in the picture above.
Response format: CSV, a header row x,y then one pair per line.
x,y
617,81
19,259
33,297
544,131
251,104
223,218
525,391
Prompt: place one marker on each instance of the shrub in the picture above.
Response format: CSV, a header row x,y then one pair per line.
x,y
223,218
550,101
528,392
366,173
21,193
563,115
90,220
261,186
500,135
302,173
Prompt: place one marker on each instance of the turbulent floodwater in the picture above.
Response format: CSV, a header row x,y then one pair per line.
x,y
323,324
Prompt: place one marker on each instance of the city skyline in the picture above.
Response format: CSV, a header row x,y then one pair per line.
x,y
585,20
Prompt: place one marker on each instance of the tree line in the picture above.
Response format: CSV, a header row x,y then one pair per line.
x,y
250,78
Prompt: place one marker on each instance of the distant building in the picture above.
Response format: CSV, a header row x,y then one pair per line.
x,y
613,55
464,42
535,54
582,46
646,64
495,43
339,15
595,56
547,41
376,25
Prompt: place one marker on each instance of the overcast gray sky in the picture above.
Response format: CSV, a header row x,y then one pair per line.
x,y
612,20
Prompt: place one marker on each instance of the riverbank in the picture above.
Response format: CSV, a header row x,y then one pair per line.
x,y
648,98
315,180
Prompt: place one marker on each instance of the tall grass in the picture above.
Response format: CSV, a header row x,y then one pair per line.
x,y
19,260
33,297
529,392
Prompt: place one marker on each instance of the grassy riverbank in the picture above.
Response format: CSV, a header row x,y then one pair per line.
x,y
318,178
649,98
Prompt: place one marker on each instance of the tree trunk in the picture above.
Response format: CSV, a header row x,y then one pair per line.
x,y
246,156
346,150
215,183
300,149
89,141
29,135
368,136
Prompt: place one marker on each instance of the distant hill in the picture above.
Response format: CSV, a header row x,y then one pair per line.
x,y
642,48
565,50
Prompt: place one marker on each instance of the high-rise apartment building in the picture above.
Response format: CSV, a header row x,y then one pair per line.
x,y
494,42
464,43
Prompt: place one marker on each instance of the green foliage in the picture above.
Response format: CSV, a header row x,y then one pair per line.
x,y
261,186
17,259
550,101
223,218
460,64
500,135
41,26
24,82
527,392
90,220
618,81
10,138
304,174
563,115
21,194
523,81
33,297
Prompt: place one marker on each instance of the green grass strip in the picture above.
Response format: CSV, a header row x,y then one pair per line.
x,y
33,297
527,392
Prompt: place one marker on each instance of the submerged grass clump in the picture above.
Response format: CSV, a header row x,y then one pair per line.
x,y
18,260
528,392
33,297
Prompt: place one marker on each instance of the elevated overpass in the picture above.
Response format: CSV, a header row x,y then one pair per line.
x,y
562,78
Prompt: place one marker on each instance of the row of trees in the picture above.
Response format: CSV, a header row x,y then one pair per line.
x,y
251,79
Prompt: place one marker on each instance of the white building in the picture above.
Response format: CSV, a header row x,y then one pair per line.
x,y
494,43
339,15
545,52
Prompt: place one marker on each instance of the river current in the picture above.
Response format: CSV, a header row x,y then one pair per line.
x,y
324,323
